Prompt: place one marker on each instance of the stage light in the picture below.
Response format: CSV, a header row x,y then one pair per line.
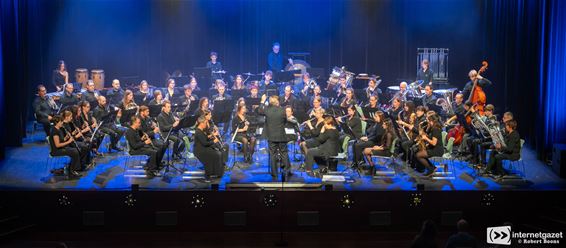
x,y
347,201
416,199
64,201
130,200
198,201
488,199
270,200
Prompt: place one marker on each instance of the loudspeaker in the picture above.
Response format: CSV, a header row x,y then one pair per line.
x,y
380,218
93,218
307,218
166,218
559,160
449,218
235,218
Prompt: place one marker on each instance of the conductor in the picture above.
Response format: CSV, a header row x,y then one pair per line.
x,y
275,119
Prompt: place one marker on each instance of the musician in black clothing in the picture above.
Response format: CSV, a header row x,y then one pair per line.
x,y
433,140
102,114
44,107
60,76
425,73
167,124
188,98
62,144
329,144
372,89
292,123
68,98
149,127
240,125
171,93
143,95
215,66
457,107
116,94
90,95
354,122
428,99
267,84
275,59
275,119
385,144
80,141
157,98
316,93
396,108
312,130
511,150
141,144
482,82
372,138
88,120
349,99
288,99
412,127
207,152
316,105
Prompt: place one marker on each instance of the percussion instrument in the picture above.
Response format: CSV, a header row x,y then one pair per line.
x,y
97,78
81,76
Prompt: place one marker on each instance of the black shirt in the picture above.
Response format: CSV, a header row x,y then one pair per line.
x,y
142,98
115,96
90,97
467,89
214,67
438,149
69,99
426,76
42,109
165,122
58,79
329,142
275,61
56,132
134,139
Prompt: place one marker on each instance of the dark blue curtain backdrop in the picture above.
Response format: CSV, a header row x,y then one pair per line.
x,y
145,39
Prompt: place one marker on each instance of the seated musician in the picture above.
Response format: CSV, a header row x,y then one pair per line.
x,y
428,99
430,144
68,98
372,102
141,144
372,137
268,84
241,125
116,94
288,99
458,107
342,86
203,107
292,123
171,93
312,130
329,144
353,122
149,127
385,144
127,104
507,116
238,83
157,98
316,105
219,116
44,107
305,87
90,95
143,95
90,122
348,99
212,158
167,124
510,151
316,93
62,144
396,108
102,113
402,93
222,95
372,89
80,141
60,76
478,145
254,94
412,128
194,84
188,98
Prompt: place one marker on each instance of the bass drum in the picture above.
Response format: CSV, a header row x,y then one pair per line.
x,y
81,76
298,64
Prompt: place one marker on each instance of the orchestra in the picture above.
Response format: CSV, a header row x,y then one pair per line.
x,y
407,121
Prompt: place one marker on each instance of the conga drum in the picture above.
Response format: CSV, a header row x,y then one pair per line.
x,y
81,76
97,78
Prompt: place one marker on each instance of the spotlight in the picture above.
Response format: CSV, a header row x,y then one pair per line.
x,y
270,200
64,200
488,200
416,200
198,201
130,200
347,201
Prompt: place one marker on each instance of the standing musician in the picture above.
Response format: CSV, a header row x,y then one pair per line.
x,y
510,151
203,107
171,92
402,93
82,147
428,99
206,150
167,122
238,83
430,144
372,137
116,94
68,98
62,144
372,89
329,144
214,66
288,97
141,144
60,76
102,113
240,124
157,98
349,99
275,120
312,130
90,95
425,73
143,95
268,84
275,59
44,107
354,122
481,82
385,144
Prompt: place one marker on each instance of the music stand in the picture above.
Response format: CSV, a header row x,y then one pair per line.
x,y
285,76
155,110
222,110
127,115
181,80
353,166
237,94
203,74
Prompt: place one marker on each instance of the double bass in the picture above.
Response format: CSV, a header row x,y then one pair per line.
x,y
477,95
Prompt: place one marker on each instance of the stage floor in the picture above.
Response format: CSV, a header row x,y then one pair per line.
x,y
26,168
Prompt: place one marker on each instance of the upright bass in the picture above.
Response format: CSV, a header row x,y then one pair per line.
x,y
477,95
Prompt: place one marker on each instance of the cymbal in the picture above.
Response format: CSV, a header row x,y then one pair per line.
x,y
248,74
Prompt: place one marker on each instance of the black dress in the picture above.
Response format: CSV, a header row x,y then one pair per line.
x,y
438,149
211,158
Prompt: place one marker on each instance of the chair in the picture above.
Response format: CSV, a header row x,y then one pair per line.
x,y
516,165
135,170
60,159
385,162
35,125
188,154
448,171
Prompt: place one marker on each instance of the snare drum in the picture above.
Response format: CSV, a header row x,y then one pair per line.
x,y
98,78
81,76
